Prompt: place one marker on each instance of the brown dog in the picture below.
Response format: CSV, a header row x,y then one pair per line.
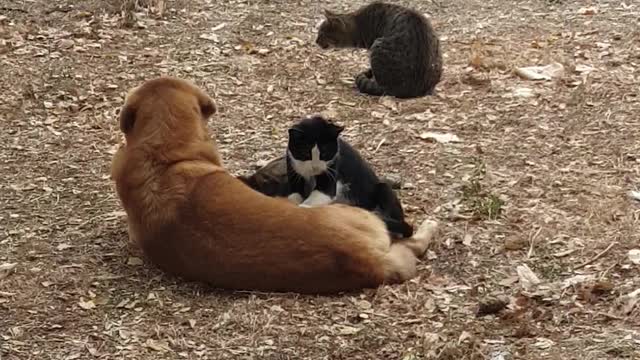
x,y
195,220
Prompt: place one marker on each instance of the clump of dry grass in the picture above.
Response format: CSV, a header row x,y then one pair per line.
x,y
128,8
482,203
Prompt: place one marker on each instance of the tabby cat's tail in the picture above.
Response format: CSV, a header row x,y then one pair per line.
x,y
368,85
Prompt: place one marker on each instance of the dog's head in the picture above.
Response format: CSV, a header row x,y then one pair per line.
x,y
166,110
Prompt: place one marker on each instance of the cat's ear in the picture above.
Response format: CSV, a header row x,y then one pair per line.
x,y
337,129
333,18
293,133
127,118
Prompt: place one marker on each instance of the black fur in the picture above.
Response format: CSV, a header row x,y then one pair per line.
x,y
405,54
361,186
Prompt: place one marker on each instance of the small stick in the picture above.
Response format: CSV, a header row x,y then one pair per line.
x,y
607,315
6,8
532,242
380,144
595,257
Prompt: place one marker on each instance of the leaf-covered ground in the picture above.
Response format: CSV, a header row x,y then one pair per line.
x,y
533,261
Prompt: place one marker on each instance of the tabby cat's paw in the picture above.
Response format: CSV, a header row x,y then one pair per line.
x,y
364,75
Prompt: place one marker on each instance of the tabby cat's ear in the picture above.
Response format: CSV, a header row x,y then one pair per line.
x,y
329,14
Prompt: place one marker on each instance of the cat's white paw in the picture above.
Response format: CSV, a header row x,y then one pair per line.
x,y
295,198
317,198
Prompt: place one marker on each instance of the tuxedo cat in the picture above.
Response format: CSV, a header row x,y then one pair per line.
x,y
322,168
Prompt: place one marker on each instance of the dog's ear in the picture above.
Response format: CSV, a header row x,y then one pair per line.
x,y
127,118
207,106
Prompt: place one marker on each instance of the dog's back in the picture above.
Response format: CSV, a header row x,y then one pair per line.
x,y
233,237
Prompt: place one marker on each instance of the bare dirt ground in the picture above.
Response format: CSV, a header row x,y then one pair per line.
x,y
538,181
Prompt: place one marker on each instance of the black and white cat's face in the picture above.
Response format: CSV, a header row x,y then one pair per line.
x,y
313,145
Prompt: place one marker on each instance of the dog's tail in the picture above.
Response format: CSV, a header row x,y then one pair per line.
x,y
403,254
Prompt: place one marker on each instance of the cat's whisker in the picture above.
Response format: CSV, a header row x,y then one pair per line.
x,y
345,175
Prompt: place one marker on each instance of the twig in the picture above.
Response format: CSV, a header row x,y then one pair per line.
x,y
532,242
596,257
380,144
62,9
6,8
607,315
604,273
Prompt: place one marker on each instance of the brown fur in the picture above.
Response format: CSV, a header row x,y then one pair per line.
x,y
195,220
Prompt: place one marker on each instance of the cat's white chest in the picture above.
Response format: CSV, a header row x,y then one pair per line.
x,y
309,168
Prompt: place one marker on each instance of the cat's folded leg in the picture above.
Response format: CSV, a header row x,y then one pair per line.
x,y
317,198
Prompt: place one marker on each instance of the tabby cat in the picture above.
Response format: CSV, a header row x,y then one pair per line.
x,y
405,55
322,168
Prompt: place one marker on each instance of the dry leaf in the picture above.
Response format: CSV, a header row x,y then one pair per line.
x,y
93,351
464,336
5,269
63,247
509,281
348,330
210,37
583,69
634,256
635,195
218,27
627,303
523,92
363,304
377,114
157,345
66,44
439,137
134,261
577,279
515,244
590,292
591,10
564,253
389,103
277,308
86,305
468,238
491,307
547,72
528,279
